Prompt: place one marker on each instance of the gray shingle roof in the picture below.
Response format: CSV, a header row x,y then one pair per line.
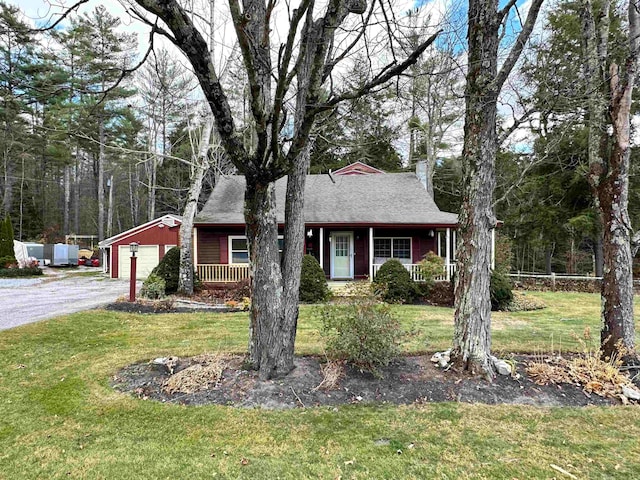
x,y
391,198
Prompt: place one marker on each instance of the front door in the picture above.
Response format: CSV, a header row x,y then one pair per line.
x,y
342,255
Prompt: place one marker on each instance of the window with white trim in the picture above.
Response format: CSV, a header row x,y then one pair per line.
x,y
239,250
387,248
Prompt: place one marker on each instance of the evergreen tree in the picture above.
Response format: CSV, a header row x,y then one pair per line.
x,y
105,56
6,238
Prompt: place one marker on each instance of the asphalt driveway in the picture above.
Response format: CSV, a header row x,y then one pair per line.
x,y
59,292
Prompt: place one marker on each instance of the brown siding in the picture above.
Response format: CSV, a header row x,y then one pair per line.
x,y
208,247
361,247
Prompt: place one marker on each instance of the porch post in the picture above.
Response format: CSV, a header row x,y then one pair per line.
x,y
438,240
447,261
455,244
371,254
493,249
322,248
195,248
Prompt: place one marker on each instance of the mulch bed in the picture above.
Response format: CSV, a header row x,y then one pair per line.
x,y
167,306
412,379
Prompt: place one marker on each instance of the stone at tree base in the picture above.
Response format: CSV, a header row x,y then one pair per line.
x,y
166,364
502,367
631,393
442,359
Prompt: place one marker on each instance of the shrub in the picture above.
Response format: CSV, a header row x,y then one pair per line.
x,y
6,238
501,294
523,303
362,332
169,270
153,287
238,291
431,266
8,261
313,282
393,283
440,294
20,272
503,254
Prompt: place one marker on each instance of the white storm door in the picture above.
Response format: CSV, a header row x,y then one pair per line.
x,y
342,255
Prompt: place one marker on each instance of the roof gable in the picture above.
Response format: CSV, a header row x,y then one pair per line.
x,y
166,220
357,168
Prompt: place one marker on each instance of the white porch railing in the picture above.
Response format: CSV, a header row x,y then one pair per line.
x,y
416,273
221,273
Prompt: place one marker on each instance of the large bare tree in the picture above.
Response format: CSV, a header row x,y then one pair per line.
x,y
610,83
300,68
472,335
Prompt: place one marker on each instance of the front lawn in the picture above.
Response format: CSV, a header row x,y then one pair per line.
x,y
60,419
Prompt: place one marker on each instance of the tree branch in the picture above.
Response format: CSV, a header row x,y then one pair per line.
x,y
518,46
193,45
64,15
330,65
635,243
284,79
387,73
249,50
505,10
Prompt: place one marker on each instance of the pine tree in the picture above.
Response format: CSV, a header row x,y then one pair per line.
x,y
6,238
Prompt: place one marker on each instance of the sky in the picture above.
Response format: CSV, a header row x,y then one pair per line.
x,y
41,12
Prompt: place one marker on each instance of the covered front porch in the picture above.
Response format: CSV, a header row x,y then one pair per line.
x,y
345,254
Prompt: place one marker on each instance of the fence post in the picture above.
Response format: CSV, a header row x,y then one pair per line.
x,y
553,281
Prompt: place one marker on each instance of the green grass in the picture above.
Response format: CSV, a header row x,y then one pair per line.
x,y
60,419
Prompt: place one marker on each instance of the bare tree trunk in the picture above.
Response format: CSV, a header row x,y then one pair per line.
x,y
185,277
151,201
21,223
67,199
598,255
101,161
613,192
472,333
293,253
8,181
265,328
110,208
617,281
134,198
548,257
76,192
610,97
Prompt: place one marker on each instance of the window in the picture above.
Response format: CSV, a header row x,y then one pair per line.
x,y
382,247
239,251
401,248
386,248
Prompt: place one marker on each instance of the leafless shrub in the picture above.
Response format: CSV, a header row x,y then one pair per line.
x,y
206,372
588,369
332,372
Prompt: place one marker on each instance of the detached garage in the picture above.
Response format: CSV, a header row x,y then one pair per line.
x,y
154,238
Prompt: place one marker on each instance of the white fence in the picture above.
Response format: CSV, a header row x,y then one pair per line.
x,y
553,276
